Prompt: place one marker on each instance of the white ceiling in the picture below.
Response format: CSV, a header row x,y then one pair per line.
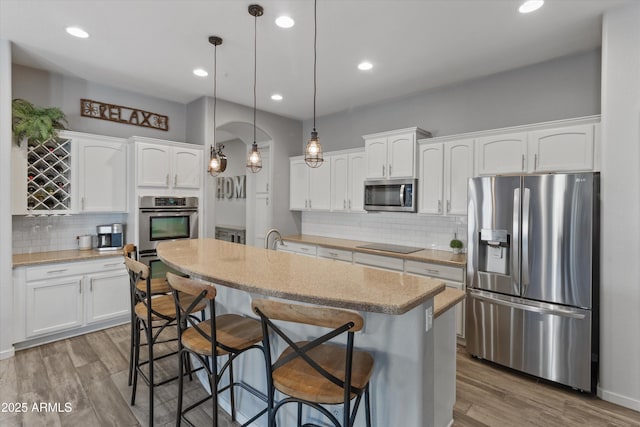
x,y
152,46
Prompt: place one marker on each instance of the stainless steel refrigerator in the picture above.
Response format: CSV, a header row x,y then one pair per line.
x,y
532,275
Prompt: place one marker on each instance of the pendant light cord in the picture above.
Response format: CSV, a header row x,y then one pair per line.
x,y
315,47
255,67
215,97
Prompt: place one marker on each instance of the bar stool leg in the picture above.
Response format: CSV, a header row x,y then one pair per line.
x,y
181,360
231,390
367,406
136,360
149,330
299,414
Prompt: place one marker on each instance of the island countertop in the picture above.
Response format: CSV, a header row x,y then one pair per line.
x,y
298,278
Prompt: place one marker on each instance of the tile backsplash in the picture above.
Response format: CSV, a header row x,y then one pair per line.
x,y
55,233
430,232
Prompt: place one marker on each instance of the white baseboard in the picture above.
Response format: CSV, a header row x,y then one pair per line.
x,y
619,399
7,354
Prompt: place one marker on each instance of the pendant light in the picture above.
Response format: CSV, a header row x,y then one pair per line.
x,y
217,159
254,162
313,152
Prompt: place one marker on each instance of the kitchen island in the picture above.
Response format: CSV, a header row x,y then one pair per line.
x,y
398,310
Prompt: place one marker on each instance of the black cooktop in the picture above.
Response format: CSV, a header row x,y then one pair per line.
x,y
391,248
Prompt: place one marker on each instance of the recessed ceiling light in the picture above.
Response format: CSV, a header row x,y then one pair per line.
x,y
285,21
77,32
276,97
364,66
530,6
200,72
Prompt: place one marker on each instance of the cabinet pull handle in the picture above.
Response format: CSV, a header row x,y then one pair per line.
x,y
383,170
175,181
267,201
82,202
349,203
333,254
304,249
309,203
429,270
344,204
448,206
389,170
113,264
535,162
91,285
439,206
79,287
523,162
57,271
267,187
167,180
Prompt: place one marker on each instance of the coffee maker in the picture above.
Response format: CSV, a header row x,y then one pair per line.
x,y
110,237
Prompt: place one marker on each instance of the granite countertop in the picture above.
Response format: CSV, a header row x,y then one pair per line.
x,y
283,275
426,255
446,300
20,260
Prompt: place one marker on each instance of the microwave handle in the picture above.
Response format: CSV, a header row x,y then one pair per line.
x,y
402,195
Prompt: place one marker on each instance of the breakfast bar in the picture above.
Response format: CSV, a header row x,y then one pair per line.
x,y
398,310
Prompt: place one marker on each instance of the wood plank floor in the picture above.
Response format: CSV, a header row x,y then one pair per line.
x,y
90,373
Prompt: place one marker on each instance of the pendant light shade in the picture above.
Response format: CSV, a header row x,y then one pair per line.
x,y
313,152
254,161
217,159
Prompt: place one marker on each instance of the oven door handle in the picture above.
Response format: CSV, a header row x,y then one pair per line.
x,y
180,210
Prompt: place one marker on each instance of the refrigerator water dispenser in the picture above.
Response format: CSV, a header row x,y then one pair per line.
x,y
494,251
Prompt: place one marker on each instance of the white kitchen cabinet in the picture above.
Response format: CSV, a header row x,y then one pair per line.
x,y
53,305
168,165
297,248
309,188
378,261
102,174
569,148
501,154
59,298
453,277
335,254
444,171
392,154
347,182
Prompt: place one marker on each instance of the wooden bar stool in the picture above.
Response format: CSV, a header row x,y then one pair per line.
x,y
158,286
226,334
316,373
152,314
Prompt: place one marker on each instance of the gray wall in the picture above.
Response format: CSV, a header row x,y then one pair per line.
x,y
46,89
561,88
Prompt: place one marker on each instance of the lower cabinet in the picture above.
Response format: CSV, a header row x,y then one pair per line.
x,y
297,248
378,261
67,296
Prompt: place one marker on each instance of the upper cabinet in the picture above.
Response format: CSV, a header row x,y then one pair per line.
x,y
102,174
445,168
169,165
392,154
567,146
347,182
310,188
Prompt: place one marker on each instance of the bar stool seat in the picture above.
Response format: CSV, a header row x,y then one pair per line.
x,y
164,307
232,331
159,285
298,379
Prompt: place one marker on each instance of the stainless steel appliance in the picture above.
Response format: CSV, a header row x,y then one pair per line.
x,y
161,219
396,195
231,234
532,275
110,237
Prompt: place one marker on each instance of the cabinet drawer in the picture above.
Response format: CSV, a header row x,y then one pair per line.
x,y
337,254
435,270
379,261
298,248
64,269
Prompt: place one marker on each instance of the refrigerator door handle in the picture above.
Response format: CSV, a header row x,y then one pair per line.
x,y
526,207
515,247
527,306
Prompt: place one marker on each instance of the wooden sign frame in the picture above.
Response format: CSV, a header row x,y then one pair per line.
x,y
121,114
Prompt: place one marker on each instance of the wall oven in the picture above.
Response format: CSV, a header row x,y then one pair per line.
x,y
393,195
162,219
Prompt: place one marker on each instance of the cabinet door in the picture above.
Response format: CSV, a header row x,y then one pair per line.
x,y
430,158
459,309
263,177
376,149
501,154
53,305
320,186
298,185
154,165
102,176
458,168
187,168
107,295
357,175
339,182
401,156
564,149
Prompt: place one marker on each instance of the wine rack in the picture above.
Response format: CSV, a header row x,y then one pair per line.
x,y
49,175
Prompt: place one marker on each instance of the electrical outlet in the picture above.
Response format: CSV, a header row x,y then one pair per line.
x,y
428,319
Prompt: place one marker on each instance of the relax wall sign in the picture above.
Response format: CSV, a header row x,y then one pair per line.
x,y
122,114
229,187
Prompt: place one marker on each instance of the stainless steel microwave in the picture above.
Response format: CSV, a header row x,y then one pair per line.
x,y
394,195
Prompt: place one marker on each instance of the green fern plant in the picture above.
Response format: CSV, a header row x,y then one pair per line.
x,y
35,124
